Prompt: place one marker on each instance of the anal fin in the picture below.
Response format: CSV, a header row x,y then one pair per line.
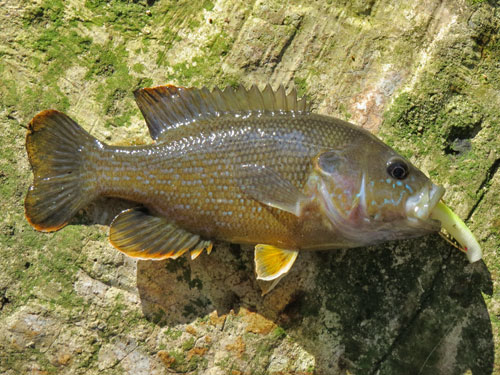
x,y
195,253
138,234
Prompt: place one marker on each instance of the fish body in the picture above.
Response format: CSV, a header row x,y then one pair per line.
x,y
249,167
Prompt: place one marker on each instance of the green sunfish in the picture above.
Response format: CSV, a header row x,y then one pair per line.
x,y
243,166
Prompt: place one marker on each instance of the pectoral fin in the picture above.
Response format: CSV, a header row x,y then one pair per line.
x,y
140,235
268,187
272,262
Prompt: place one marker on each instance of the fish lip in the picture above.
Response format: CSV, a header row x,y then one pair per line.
x,y
420,206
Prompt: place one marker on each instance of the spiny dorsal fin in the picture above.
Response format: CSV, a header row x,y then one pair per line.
x,y
140,235
169,107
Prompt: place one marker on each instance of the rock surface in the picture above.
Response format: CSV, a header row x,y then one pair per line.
x,y
423,75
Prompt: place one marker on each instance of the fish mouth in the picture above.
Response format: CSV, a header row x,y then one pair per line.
x,y
420,206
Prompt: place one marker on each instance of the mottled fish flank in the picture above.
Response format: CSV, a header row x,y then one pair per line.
x,y
244,166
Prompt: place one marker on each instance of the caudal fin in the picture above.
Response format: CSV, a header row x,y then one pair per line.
x,y
58,150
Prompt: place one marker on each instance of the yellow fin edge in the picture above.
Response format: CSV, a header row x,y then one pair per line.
x,y
272,262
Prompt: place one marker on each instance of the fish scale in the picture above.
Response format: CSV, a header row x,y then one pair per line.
x,y
205,167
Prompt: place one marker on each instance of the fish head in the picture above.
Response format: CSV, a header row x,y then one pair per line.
x,y
370,193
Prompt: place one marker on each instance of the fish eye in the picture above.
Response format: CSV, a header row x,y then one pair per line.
x,y
398,169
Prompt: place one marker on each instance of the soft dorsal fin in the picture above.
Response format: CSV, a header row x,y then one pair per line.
x,y
169,107
140,235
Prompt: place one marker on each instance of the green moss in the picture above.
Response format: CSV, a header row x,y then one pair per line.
x,y
106,60
17,360
138,68
172,334
45,270
30,100
346,115
278,333
62,47
115,319
127,17
53,48
188,344
49,11
200,68
179,360
92,358
109,62
440,122
182,364
208,5
56,47
8,186
225,363
301,86
263,352
145,82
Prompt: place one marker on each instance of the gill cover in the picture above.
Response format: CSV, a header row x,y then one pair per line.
x,y
340,188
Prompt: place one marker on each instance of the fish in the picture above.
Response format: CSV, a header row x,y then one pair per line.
x,y
243,166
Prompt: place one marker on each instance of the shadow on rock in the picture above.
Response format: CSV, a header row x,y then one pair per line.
x,y
411,307
102,211
408,307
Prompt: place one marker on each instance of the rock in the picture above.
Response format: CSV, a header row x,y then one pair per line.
x,y
30,329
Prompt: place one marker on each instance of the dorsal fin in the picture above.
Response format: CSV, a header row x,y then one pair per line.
x,y
169,107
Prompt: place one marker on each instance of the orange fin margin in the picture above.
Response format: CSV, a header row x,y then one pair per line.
x,y
57,148
169,107
138,234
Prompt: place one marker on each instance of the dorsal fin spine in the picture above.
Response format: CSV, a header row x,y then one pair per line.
x,y
169,107
267,97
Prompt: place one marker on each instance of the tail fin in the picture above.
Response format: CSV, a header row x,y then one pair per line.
x,y
57,150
